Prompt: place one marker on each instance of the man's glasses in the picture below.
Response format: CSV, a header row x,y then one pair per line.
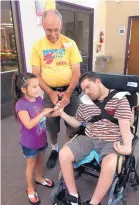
x,y
50,31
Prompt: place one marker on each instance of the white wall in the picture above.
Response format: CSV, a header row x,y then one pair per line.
x,y
32,32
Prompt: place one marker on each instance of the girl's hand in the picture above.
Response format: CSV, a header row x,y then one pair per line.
x,y
56,111
122,149
47,111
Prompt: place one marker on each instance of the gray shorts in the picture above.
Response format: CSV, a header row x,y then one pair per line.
x,y
82,145
53,124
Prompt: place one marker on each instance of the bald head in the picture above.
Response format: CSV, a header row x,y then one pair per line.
x,y
51,13
52,24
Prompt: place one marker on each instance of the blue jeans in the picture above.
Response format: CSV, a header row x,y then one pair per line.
x,y
30,153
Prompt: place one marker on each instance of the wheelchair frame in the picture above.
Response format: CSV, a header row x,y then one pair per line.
x,y
127,173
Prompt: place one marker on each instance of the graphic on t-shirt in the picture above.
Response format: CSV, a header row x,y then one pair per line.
x,y
110,111
40,127
51,54
42,124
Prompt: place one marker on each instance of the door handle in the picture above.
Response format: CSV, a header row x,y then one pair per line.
x,y
129,55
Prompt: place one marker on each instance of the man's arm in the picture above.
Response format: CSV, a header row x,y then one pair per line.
x,y
35,60
75,78
52,94
43,85
124,115
127,136
126,132
74,81
75,59
70,120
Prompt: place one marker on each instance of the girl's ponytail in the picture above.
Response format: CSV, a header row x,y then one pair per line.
x,y
16,93
15,90
19,81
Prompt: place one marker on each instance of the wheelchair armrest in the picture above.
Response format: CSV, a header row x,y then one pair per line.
x,y
121,158
120,162
79,131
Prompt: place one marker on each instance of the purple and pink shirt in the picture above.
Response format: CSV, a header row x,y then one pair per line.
x,y
36,137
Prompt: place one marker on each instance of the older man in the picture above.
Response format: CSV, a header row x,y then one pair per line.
x,y
56,61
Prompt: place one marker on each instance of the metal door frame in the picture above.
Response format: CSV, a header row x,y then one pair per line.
x,y
16,14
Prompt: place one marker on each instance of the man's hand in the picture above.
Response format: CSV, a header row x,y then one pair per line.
x,y
54,97
122,149
65,99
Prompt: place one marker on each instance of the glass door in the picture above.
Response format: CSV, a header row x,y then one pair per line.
x,y
78,25
83,39
68,23
9,57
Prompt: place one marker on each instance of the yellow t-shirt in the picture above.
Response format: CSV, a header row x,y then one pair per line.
x,y
55,60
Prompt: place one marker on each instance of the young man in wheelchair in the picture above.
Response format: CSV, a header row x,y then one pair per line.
x,y
104,136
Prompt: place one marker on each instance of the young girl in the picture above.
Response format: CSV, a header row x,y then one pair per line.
x,y
29,110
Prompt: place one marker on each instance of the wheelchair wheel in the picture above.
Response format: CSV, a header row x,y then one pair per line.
x,y
124,201
59,187
136,187
137,167
116,194
111,198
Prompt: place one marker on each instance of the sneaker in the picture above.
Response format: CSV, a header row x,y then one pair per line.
x,y
52,159
63,199
88,203
72,199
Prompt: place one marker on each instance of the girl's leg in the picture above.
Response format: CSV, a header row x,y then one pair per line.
x,y
39,171
31,163
39,167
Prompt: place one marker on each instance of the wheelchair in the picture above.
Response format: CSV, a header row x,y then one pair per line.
x,y
127,171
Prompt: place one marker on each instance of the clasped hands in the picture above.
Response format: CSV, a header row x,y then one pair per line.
x,y
60,100
56,111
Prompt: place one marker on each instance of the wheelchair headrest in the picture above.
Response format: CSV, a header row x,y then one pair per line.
x,y
133,99
128,83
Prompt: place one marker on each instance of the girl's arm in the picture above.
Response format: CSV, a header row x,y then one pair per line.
x,y
30,123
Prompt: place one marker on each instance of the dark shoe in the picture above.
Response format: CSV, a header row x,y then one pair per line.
x,y
52,159
88,203
63,199
71,199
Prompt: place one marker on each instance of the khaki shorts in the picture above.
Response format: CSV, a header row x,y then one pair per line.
x,y
53,124
82,145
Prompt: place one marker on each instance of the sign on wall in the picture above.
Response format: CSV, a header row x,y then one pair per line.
x,y
41,6
121,30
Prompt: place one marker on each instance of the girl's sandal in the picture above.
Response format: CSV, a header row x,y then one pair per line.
x,y
48,183
33,196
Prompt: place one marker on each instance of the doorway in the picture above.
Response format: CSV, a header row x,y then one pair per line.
x,y
78,25
12,54
132,50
